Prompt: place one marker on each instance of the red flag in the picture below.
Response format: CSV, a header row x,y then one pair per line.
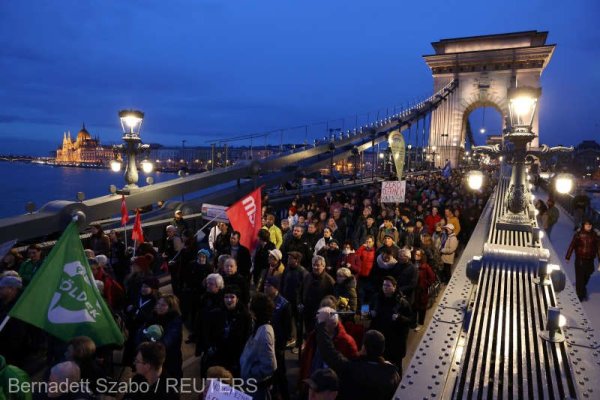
x,y
245,217
124,213
137,233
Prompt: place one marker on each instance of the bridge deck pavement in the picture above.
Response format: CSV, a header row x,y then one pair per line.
x,y
562,233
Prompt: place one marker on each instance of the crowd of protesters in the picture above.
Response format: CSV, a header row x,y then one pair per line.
x,y
339,279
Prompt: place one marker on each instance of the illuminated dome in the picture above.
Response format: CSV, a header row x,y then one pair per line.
x,y
83,134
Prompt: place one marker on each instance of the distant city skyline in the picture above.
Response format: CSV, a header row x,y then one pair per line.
x,y
205,70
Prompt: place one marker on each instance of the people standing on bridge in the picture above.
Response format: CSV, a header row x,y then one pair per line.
x,y
241,254
171,256
17,338
118,261
369,376
258,360
426,278
388,229
315,286
291,288
275,269
392,315
282,326
274,231
586,245
261,256
452,219
448,251
224,333
232,277
179,223
581,202
551,219
222,242
139,313
32,264
98,241
297,243
12,261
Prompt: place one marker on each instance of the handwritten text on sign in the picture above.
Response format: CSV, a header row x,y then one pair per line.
x,y
393,191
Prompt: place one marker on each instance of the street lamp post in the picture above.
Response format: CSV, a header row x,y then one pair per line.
x,y
408,161
131,123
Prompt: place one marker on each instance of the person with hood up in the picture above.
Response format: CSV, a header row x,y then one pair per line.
x,y
448,251
345,287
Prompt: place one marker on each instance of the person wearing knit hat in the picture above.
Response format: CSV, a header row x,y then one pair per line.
x,y
11,281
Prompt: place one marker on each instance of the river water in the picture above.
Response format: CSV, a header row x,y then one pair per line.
x,y
23,182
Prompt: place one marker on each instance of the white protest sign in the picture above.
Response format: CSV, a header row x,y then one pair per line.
x,y
220,391
214,212
393,191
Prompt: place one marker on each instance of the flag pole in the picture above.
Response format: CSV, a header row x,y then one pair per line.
x,y
3,324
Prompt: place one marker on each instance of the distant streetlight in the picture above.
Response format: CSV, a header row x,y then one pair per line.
x,y
131,123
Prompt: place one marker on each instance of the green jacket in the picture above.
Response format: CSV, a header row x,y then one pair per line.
x,y
8,372
28,270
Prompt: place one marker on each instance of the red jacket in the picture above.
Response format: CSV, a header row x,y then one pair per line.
x,y
343,342
366,259
352,259
431,221
426,278
586,245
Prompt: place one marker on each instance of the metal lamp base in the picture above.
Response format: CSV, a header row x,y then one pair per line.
x,y
553,337
514,222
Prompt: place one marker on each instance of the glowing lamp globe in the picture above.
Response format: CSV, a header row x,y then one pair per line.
x,y
563,183
115,165
131,122
475,179
521,106
147,166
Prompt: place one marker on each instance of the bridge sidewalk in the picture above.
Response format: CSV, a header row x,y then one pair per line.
x,y
560,239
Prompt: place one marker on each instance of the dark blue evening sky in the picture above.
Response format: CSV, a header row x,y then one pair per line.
x,y
207,69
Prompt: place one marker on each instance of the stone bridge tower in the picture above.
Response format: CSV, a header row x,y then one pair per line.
x,y
485,66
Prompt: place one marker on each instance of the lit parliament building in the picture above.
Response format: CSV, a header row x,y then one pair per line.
x,y
83,150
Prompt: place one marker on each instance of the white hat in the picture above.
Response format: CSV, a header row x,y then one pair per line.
x,y
449,227
276,253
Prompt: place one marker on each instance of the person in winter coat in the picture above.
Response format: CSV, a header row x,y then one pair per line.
x,y
366,260
324,241
451,219
432,219
225,332
292,280
297,243
113,291
261,257
551,217
388,229
448,250
99,241
426,278
211,300
168,316
365,229
332,255
586,245
258,361
345,287
392,316
369,376
349,258
275,269
311,359
192,285
232,277
315,286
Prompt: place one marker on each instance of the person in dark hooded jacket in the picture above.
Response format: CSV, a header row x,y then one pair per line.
x,y
369,376
345,287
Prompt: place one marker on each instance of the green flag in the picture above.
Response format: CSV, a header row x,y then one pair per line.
x,y
62,298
